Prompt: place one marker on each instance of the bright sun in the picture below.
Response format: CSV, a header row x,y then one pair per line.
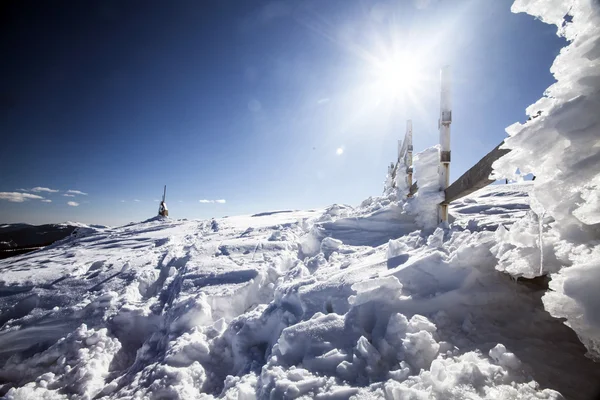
x,y
396,76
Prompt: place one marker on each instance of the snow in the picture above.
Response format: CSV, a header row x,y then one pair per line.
x,y
424,204
560,145
367,302
298,304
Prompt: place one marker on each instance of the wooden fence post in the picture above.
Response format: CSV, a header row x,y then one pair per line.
x,y
444,127
409,155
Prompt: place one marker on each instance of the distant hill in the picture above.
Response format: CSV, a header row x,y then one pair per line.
x,y
20,238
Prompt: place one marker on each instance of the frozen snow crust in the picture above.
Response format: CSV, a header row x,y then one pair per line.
x,y
560,144
318,304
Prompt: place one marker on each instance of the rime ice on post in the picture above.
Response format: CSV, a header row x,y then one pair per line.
x,y
409,155
399,149
444,127
404,170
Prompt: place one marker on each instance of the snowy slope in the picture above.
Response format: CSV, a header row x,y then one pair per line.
x,y
316,304
493,206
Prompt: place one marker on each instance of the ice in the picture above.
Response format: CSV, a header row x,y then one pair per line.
x,y
560,145
518,248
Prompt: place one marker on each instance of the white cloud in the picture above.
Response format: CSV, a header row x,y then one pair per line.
x,y
205,201
68,195
46,201
122,201
323,101
23,190
339,151
17,197
73,203
136,200
76,192
43,189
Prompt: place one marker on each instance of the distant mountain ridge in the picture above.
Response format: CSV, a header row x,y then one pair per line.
x,y
20,238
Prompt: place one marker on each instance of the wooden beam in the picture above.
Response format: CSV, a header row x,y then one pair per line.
x,y
475,178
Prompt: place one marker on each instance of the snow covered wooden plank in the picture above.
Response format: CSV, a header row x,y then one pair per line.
x,y
476,177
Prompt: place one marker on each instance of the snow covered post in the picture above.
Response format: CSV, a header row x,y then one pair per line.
x,y
444,127
409,157
399,150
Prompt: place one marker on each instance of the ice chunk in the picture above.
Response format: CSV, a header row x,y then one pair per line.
x,y
379,288
503,357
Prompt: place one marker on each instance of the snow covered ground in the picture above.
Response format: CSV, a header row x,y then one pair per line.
x,y
315,304
364,303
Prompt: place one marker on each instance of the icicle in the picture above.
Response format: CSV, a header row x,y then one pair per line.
x,y
541,241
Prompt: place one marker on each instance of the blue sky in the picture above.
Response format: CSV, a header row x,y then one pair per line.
x,y
246,101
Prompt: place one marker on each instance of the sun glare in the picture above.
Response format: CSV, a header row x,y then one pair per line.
x,y
397,76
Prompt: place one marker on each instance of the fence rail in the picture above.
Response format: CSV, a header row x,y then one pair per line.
x,y
476,177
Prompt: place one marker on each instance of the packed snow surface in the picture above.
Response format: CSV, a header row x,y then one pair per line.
x,y
285,305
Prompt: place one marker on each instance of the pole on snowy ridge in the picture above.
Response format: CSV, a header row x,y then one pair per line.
x,y
409,155
163,211
444,127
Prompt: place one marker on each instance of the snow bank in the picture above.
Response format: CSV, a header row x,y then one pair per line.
x,y
467,376
405,354
560,145
80,361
